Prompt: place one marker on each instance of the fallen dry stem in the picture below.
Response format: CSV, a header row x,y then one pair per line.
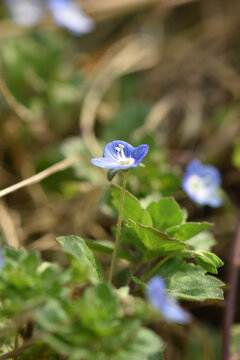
x,y
60,166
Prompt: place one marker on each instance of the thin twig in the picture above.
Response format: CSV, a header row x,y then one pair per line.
x,y
60,166
231,295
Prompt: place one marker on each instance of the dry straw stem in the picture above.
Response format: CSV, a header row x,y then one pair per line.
x,y
60,166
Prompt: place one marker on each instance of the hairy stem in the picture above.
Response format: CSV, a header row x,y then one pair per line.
x,y
119,224
231,295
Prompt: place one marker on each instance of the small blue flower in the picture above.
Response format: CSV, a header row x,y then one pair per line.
x,y
166,305
1,259
67,13
25,12
120,155
202,183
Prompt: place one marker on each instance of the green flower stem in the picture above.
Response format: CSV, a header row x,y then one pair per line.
x,y
119,224
161,262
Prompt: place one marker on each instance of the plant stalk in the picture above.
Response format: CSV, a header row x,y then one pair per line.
x,y
119,224
231,295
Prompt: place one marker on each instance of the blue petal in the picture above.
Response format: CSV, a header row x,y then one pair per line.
x,y
174,313
213,173
140,152
193,167
156,292
214,200
167,306
110,149
110,163
106,163
210,177
68,14
197,168
25,12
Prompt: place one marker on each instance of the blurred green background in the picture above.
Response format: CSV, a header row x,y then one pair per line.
x,y
165,73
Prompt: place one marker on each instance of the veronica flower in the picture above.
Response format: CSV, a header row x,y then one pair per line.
x,y
25,12
120,155
65,13
166,305
202,183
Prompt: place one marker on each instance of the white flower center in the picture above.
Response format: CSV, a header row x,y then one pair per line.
x,y
121,157
199,186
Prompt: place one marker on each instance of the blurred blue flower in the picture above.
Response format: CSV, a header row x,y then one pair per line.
x,y
120,155
202,183
66,13
25,12
166,305
1,259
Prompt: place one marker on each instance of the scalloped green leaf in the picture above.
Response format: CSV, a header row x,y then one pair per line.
x,y
165,213
187,231
189,282
132,208
157,241
143,345
76,247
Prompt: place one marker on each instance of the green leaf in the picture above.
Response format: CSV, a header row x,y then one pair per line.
x,y
139,282
52,315
107,247
132,208
187,231
190,282
99,309
142,345
13,253
165,213
76,246
157,241
208,261
129,236
111,174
